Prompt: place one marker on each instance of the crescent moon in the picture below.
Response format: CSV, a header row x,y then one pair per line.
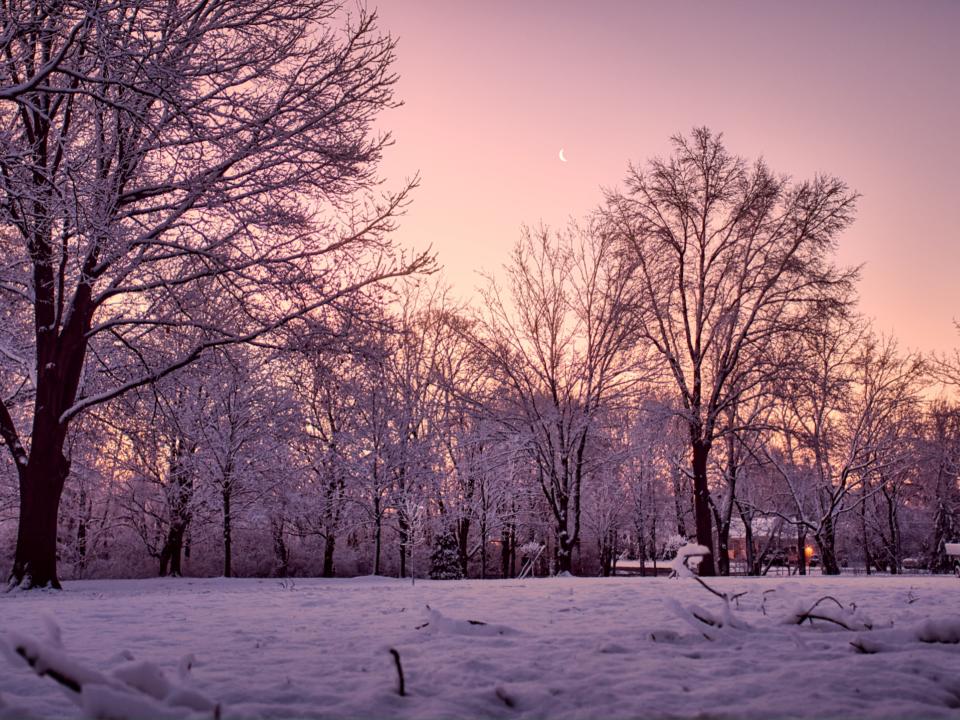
x,y
562,156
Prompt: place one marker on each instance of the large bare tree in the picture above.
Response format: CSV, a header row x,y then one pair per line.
x,y
155,154
729,256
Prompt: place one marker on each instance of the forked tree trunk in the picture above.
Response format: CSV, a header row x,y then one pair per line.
x,y
173,551
177,546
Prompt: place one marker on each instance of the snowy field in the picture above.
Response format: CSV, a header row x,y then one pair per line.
x,y
557,648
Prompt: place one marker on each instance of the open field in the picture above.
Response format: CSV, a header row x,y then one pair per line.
x,y
559,648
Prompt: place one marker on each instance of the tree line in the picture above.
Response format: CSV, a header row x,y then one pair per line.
x,y
213,358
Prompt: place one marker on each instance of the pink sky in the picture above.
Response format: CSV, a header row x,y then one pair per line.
x,y
866,91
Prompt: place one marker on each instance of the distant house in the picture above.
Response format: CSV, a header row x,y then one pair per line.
x,y
764,529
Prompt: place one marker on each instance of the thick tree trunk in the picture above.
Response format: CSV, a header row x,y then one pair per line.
x,y
723,548
329,545
41,485
701,506
173,550
179,496
826,540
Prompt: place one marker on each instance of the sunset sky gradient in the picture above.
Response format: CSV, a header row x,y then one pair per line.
x,y
866,91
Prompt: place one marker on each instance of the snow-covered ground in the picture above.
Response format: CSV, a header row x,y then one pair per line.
x,y
557,648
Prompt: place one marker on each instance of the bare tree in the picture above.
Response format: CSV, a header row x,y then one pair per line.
x,y
157,154
841,424
563,350
943,480
729,256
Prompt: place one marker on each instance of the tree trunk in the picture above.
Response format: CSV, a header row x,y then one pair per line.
x,y
462,530
227,534
677,477
280,550
41,485
505,552
404,532
701,506
564,557
943,532
864,541
723,548
753,567
82,534
826,540
801,550
893,521
483,549
172,551
377,540
329,545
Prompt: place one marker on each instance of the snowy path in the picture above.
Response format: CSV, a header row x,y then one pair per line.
x,y
558,648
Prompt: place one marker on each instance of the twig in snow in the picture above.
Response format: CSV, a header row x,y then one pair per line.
x,y
826,597
719,594
396,659
715,592
763,603
507,700
809,614
811,617
54,674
